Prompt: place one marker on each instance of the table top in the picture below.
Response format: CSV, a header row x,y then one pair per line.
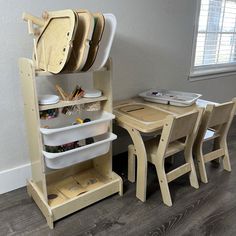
x,y
147,116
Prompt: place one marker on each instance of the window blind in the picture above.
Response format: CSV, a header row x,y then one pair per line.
x,y
216,36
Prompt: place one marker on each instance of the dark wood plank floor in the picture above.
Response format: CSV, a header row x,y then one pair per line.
x,y
210,210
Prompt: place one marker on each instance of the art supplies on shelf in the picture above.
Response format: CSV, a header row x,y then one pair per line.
x,y
49,114
76,94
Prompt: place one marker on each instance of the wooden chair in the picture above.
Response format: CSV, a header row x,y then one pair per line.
x,y
215,125
178,134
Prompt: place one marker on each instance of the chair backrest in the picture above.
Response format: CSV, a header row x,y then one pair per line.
x,y
219,117
175,128
220,114
183,126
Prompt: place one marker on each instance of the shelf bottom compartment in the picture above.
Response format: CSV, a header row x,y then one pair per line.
x,y
74,193
74,186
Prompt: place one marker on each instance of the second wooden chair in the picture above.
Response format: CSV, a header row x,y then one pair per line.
x,y
215,125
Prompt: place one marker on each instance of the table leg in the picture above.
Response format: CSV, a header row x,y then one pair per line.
x,y
131,163
140,152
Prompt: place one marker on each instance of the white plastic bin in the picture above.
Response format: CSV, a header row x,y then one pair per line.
x,y
55,136
105,43
64,159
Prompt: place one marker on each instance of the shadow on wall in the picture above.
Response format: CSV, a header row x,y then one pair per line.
x,y
143,64
138,66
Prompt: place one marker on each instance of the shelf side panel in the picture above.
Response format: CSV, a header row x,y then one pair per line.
x,y
32,122
102,80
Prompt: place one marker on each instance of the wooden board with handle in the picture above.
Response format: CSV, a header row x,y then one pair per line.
x,y
82,40
95,41
54,44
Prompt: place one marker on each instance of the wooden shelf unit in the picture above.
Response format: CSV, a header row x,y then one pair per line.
x,y
44,180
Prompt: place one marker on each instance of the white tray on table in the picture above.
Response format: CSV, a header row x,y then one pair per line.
x,y
175,98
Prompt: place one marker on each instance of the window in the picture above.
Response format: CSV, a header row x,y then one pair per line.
x,y
215,38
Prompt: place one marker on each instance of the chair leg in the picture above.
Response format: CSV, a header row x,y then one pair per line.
x,y
192,175
226,160
131,163
216,145
141,184
165,191
201,166
140,152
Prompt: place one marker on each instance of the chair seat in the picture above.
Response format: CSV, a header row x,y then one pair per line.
x,y
210,134
152,145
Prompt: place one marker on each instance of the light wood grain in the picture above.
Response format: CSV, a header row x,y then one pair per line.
x,y
95,41
32,120
82,40
54,45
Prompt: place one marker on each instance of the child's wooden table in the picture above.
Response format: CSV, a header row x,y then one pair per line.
x,y
138,116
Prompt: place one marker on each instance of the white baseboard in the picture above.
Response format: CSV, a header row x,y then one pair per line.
x,y
14,178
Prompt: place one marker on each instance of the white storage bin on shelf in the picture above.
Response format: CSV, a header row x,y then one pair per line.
x,y
64,159
55,136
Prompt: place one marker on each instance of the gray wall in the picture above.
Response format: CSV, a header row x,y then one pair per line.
x,y
152,48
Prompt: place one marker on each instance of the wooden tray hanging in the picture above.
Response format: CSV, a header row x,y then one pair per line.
x,y
96,38
82,40
54,45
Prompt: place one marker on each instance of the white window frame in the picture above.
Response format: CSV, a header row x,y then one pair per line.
x,y
212,71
